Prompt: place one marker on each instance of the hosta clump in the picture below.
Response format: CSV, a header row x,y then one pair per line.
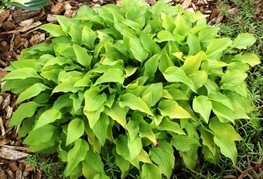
x,y
134,82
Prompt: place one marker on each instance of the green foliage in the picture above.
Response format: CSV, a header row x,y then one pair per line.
x,y
136,82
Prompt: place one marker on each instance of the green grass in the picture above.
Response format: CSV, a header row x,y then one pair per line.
x,y
46,164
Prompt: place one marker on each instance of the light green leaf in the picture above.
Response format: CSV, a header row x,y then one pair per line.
x,y
22,73
123,164
184,143
87,169
82,55
117,113
224,113
150,171
114,75
211,151
54,29
134,103
192,63
47,117
94,99
167,22
137,50
148,43
100,128
94,160
62,102
40,135
25,110
76,155
241,105
168,125
176,94
200,78
75,33
208,33
135,147
244,40
133,127
227,148
122,146
217,46
64,22
75,130
203,106
93,116
155,92
175,74
220,98
249,58
224,130
163,156
31,92
190,157
88,37
194,44
172,109
151,65
233,77
165,61
164,36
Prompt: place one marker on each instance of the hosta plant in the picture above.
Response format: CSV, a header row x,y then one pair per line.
x,y
143,84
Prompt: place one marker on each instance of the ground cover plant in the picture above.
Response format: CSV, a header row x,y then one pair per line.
x,y
144,85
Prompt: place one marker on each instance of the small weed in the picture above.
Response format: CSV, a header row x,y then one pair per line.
x,y
50,167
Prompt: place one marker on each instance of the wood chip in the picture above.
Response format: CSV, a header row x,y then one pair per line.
x,y
10,174
2,127
19,16
2,74
4,141
32,26
4,15
8,25
19,174
186,4
13,166
25,149
11,154
58,8
9,112
3,175
36,39
6,101
51,18
27,22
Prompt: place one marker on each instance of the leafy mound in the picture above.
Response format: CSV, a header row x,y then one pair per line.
x,y
135,82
